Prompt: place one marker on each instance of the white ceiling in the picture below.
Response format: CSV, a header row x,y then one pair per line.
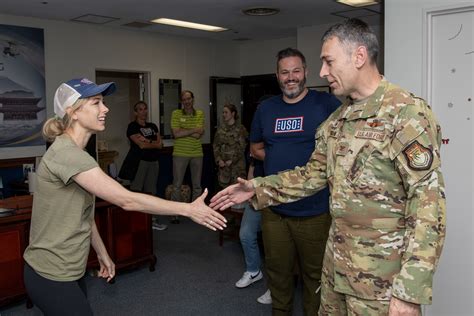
x,y
224,13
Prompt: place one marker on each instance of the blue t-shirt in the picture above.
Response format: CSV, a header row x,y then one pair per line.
x,y
288,131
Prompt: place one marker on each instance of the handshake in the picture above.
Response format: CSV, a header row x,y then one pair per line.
x,y
233,194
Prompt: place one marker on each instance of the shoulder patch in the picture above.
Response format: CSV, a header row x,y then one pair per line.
x,y
418,156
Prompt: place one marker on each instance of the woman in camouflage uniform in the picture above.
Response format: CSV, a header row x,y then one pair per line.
x,y
229,147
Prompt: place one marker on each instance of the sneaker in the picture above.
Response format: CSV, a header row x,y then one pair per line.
x,y
158,226
265,298
248,279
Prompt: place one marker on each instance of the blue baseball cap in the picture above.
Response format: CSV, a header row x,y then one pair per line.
x,y
68,93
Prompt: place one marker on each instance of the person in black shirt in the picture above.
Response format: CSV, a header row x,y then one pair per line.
x,y
141,164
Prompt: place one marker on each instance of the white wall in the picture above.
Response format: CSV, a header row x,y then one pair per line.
x,y
404,64
259,57
404,40
78,49
309,43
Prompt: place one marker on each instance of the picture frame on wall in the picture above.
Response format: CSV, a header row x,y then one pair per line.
x,y
22,91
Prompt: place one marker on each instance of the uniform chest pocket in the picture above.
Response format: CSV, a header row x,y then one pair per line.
x,y
360,161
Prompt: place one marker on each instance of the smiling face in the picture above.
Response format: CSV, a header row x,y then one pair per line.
x,y
91,115
338,67
291,76
187,101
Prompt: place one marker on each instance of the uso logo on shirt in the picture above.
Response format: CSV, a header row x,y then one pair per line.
x,y
289,124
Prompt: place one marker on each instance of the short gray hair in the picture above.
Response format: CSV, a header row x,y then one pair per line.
x,y
355,32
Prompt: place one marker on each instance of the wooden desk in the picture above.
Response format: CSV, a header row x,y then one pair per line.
x,y
128,237
14,232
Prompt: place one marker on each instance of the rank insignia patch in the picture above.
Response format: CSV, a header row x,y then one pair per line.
x,y
418,156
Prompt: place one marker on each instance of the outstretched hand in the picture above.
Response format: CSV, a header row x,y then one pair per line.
x,y
204,215
233,194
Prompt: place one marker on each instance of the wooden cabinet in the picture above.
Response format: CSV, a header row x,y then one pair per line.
x,y
13,241
106,158
128,237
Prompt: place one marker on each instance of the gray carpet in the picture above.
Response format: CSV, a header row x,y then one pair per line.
x,y
193,276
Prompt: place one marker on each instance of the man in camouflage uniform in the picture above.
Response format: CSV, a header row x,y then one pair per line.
x,y
380,155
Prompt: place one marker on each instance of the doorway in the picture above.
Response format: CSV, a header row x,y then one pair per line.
x,y
449,77
254,88
131,87
223,91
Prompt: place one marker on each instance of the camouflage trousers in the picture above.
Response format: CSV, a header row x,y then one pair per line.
x,y
228,175
339,304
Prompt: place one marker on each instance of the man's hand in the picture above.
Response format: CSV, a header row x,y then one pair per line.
x,y
401,308
233,194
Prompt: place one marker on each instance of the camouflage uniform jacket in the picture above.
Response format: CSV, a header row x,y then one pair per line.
x,y
229,144
382,163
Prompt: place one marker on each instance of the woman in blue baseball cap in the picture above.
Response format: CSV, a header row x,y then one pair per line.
x,y
62,222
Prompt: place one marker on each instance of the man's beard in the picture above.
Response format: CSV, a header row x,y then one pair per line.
x,y
295,93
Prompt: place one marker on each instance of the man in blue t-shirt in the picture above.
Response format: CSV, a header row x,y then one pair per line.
x,y
283,136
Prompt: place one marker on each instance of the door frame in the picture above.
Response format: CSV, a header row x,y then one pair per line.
x,y
213,115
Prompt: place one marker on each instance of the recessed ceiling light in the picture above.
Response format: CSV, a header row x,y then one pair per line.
x,y
355,13
260,11
358,3
191,25
94,19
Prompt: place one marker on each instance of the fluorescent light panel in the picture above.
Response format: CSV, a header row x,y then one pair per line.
x,y
358,3
191,25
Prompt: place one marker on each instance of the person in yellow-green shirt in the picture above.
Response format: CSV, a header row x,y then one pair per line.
x,y
187,125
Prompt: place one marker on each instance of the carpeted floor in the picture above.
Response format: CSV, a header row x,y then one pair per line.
x,y
193,276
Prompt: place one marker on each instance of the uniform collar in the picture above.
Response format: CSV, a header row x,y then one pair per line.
x,y
369,108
